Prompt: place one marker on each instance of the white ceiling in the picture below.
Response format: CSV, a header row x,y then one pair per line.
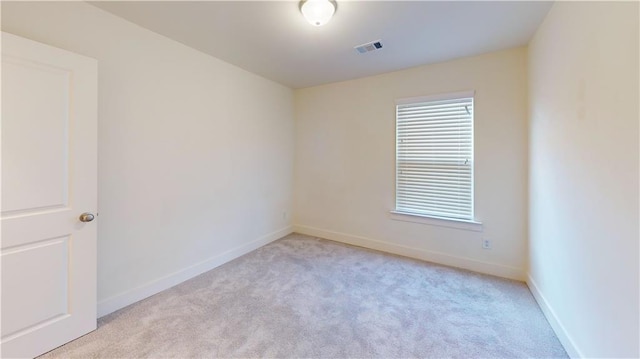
x,y
272,39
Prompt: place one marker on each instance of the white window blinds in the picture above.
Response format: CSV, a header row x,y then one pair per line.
x,y
434,157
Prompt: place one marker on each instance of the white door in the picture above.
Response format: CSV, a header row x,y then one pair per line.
x,y
49,178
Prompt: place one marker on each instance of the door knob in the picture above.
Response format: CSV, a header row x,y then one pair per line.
x,y
86,217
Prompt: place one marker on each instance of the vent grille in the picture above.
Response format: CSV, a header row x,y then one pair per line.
x,y
369,46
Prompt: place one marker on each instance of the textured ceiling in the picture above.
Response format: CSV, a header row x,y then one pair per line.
x,y
272,39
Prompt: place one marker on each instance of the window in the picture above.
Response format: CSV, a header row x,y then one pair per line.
x,y
434,156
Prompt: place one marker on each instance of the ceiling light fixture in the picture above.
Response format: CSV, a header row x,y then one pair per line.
x,y
318,12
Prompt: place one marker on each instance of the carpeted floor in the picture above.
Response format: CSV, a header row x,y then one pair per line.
x,y
306,297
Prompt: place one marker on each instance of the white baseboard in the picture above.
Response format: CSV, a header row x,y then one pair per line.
x,y
417,253
562,334
129,297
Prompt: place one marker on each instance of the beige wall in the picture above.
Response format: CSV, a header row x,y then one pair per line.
x,y
191,176
584,116
345,162
195,155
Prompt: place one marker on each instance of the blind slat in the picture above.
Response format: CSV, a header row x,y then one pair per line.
x,y
435,212
436,194
441,201
450,209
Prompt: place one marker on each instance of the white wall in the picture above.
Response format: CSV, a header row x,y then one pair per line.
x,y
345,162
584,115
195,155
175,201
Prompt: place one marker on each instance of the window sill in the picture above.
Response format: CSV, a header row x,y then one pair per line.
x,y
437,221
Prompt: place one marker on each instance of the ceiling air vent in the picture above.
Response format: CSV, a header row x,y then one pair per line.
x,y
369,46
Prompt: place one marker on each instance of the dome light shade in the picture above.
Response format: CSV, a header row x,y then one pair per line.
x,y
318,12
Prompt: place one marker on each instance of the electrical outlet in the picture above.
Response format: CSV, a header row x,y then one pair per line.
x,y
486,244
284,215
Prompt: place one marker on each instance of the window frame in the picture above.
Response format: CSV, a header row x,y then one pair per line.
x,y
401,215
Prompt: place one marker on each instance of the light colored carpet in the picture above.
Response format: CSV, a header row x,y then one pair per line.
x,y
306,297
